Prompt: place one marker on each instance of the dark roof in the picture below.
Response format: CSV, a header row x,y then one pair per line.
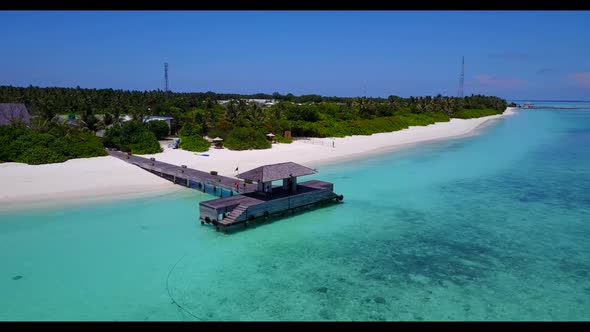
x,y
276,172
10,112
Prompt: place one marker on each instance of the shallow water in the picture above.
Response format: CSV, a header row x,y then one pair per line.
x,y
489,227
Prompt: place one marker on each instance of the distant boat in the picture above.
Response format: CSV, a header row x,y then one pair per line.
x,y
528,105
202,154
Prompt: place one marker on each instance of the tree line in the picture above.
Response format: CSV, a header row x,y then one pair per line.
x,y
242,124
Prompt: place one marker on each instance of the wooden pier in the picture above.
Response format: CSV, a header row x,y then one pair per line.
x,y
187,177
268,200
253,200
540,107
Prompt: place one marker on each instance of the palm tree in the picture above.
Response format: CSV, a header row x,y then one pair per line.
x,y
209,103
416,104
255,115
107,120
233,111
429,105
278,111
90,121
364,106
394,102
439,102
448,105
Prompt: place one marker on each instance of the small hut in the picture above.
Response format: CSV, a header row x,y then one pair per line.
x,y
167,119
271,137
288,172
218,142
11,113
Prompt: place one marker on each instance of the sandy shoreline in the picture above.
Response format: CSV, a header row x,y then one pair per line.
x,y
104,178
74,181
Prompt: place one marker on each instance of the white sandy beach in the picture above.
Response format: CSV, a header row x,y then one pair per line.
x,y
107,177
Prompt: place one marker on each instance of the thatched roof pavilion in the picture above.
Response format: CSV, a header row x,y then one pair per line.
x,y
12,112
265,175
275,172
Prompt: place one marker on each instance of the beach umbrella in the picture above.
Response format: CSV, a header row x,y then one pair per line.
x,y
270,135
217,139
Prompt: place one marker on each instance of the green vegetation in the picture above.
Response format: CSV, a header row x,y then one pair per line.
x,y
194,143
191,138
190,129
132,136
245,139
159,128
339,128
242,124
37,155
366,116
469,113
284,140
47,143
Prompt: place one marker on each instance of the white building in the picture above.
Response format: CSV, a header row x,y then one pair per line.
x,y
259,102
167,119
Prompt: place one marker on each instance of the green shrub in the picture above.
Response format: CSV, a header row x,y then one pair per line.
x,y
194,143
30,139
47,144
282,139
146,143
245,139
8,134
477,113
132,136
41,155
335,128
190,129
159,128
82,145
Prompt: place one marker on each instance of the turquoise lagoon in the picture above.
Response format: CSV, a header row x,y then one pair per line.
x,y
488,227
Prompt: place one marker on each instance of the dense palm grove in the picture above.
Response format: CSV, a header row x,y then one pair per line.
x,y
241,124
42,143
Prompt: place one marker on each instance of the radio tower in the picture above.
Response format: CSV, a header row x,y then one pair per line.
x,y
461,79
166,77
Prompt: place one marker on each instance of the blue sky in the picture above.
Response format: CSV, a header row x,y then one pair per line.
x,y
514,54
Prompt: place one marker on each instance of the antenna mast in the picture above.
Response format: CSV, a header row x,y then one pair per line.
x,y
462,78
166,77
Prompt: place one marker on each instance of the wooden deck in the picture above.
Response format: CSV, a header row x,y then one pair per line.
x,y
187,177
230,211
